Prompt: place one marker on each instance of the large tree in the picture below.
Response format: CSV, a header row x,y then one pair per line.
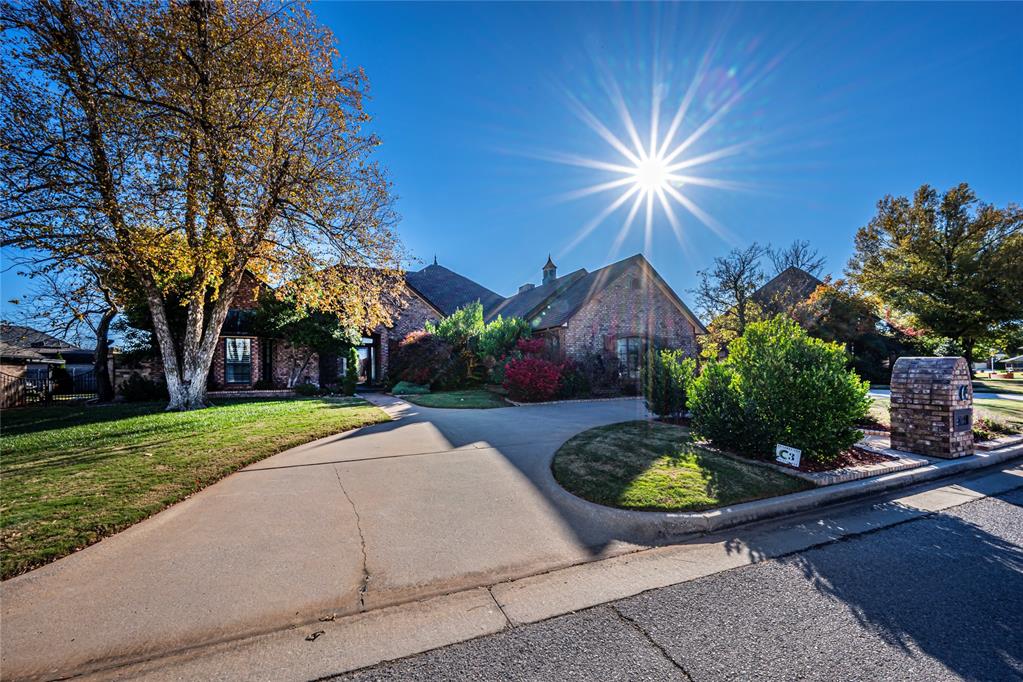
x,y
950,261
724,295
185,143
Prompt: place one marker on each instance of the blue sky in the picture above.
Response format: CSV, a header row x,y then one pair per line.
x,y
829,107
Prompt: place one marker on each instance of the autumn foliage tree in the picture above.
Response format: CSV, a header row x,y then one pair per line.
x,y
184,143
954,264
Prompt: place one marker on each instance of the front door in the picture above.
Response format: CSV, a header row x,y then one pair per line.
x,y
367,361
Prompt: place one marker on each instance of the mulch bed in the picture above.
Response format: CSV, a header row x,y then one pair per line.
x,y
854,456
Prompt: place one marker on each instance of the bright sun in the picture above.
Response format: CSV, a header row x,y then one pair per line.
x,y
656,169
652,175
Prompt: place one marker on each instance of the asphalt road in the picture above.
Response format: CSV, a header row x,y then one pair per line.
x,y
937,598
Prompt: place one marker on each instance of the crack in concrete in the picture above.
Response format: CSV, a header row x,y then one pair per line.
x,y
507,621
646,635
364,585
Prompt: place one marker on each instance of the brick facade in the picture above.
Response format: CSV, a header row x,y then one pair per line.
x,y
633,305
413,316
927,396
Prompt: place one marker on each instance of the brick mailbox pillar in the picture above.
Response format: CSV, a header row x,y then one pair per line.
x,y
932,407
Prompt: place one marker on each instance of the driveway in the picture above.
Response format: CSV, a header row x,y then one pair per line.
x,y
432,502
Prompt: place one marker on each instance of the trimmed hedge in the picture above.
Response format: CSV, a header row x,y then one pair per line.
x,y
780,385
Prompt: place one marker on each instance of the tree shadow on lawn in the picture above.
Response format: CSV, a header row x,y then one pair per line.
x,y
942,585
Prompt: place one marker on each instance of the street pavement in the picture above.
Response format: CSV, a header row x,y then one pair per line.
x,y
939,597
983,395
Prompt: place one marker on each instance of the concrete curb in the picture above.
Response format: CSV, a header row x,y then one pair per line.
x,y
571,401
659,526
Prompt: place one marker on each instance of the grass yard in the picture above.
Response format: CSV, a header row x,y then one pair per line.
x,y
1013,386
655,467
1009,412
476,399
75,474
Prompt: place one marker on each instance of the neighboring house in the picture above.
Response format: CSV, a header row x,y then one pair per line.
x,y
621,308
30,353
786,290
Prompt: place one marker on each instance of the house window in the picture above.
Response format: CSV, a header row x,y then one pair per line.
x,y
238,361
629,351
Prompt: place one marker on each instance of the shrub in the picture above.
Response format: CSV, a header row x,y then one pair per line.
x,y
408,388
714,404
422,358
499,337
779,385
574,382
535,346
666,377
62,380
138,389
264,384
497,372
532,379
351,371
307,389
602,372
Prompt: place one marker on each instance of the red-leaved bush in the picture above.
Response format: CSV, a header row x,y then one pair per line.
x,y
532,379
532,346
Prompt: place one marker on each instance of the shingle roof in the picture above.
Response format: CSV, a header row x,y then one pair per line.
x,y
25,337
447,291
788,288
553,304
523,303
11,352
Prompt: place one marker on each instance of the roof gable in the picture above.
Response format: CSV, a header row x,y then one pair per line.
x,y
561,304
447,291
785,290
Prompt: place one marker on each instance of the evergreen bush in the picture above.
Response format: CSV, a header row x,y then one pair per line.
x,y
780,385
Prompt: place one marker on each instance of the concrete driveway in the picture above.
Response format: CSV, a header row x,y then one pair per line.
x,y
435,501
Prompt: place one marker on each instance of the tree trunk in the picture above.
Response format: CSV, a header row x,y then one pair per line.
x,y
969,344
100,365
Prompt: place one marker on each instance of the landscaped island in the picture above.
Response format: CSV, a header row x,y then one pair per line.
x,y
653,466
74,475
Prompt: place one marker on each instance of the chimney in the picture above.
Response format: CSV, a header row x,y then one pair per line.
x,y
550,271
526,287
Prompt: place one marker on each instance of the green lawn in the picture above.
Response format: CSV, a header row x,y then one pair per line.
x,y
655,466
1013,386
75,474
1009,412
478,399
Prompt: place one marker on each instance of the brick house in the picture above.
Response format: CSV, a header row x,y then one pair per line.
x,y
243,360
622,308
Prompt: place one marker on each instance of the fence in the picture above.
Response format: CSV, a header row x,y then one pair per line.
x,y
19,391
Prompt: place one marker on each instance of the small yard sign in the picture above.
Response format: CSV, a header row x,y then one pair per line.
x,y
786,454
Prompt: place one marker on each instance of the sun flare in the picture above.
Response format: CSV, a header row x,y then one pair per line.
x,y
654,166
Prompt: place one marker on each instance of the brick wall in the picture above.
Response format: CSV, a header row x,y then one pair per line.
x,y
412,316
247,296
925,395
632,305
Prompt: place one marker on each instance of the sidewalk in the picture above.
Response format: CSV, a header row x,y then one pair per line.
x,y
345,644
